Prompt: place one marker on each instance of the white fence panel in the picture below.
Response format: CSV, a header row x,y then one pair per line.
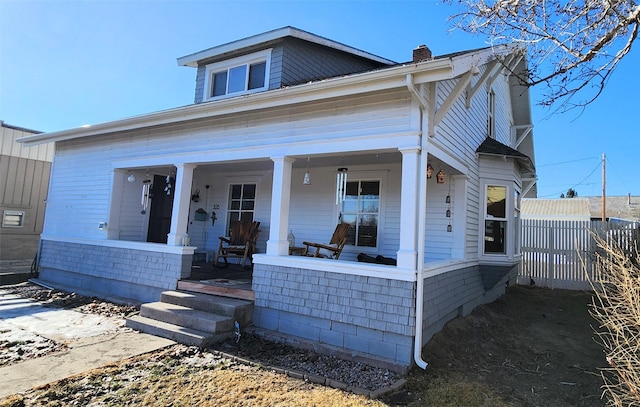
x,y
555,253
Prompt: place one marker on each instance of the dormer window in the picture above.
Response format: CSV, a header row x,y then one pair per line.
x,y
237,76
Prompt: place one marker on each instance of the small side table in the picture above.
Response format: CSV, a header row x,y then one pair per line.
x,y
296,250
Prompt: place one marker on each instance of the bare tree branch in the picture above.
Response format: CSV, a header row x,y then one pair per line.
x,y
573,46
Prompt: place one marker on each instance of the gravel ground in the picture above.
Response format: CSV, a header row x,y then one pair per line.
x,y
249,347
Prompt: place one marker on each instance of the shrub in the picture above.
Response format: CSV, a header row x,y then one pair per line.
x,y
616,306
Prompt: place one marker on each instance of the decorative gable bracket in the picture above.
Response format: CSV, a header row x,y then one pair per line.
x,y
491,74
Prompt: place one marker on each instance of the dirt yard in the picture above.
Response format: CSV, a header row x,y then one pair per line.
x,y
533,347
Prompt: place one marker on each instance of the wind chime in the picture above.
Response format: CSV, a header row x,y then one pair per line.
x,y
341,185
146,189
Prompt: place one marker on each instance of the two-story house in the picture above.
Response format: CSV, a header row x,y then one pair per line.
x,y
437,153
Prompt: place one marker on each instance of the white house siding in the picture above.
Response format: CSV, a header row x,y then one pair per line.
x,y
85,170
461,132
354,314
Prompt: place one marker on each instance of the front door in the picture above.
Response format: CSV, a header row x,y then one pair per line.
x,y
161,207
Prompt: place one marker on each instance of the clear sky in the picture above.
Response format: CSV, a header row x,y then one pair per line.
x,y
64,64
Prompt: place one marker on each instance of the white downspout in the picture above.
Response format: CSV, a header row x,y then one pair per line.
x,y
422,208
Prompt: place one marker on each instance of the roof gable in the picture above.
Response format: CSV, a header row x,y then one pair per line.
x,y
270,36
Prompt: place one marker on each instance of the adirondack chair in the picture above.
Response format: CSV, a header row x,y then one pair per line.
x,y
240,245
335,246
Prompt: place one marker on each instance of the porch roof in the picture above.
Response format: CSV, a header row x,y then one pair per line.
x,y
493,147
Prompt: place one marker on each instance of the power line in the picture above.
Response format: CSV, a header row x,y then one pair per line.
x,y
579,183
567,162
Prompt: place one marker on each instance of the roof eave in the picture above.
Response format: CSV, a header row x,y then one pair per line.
x,y
193,59
388,78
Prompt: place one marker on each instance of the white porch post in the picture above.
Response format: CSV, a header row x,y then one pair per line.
x,y
181,199
408,253
277,245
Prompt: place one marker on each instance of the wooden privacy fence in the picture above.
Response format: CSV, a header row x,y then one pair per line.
x,y
560,253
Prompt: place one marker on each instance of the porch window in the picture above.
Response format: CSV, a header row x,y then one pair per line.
x,y
495,220
242,200
361,209
238,75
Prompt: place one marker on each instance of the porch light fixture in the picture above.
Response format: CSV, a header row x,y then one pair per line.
x,y
448,213
341,185
131,178
429,171
449,229
307,176
448,199
440,177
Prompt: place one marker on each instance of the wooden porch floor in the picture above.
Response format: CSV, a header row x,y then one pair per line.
x,y
232,281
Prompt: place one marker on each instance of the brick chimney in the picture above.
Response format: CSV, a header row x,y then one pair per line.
x,y
422,53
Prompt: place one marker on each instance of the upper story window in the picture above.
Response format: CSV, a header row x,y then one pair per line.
x,y
491,114
248,73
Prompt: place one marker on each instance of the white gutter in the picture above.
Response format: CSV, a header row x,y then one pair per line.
x,y
422,209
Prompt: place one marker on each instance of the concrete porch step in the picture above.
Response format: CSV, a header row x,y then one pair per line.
x,y
187,317
176,333
192,318
239,310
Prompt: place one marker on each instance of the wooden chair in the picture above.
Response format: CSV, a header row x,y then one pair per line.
x,y
240,245
335,246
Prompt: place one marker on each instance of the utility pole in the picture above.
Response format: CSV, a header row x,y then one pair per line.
x,y
604,188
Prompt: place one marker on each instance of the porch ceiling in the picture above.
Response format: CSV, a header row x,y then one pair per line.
x,y
313,161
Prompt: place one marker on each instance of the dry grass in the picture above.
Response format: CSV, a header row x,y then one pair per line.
x,y
616,306
169,379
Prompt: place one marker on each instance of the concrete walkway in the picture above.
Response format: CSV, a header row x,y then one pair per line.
x,y
92,341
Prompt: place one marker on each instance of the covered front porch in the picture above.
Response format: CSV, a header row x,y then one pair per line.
x,y
383,202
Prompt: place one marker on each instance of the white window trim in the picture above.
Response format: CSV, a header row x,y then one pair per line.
x,y
491,114
509,219
232,63
365,175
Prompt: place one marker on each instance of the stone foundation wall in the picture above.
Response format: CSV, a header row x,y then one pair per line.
x,y
111,271
362,315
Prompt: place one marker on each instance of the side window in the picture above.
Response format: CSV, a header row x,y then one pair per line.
x,y
242,200
516,218
491,114
495,220
361,209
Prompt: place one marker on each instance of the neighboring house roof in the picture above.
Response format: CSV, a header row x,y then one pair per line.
x,y
255,40
556,209
493,147
9,146
620,207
